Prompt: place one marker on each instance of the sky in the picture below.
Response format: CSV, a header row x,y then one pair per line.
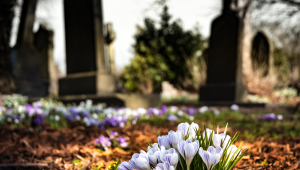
x,y
124,15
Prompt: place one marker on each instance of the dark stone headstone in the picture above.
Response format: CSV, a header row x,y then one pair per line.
x,y
43,41
85,50
225,55
26,58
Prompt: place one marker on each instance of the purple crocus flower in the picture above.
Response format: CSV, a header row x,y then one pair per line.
x,y
150,111
103,141
38,120
86,114
191,111
172,118
216,112
164,109
75,111
113,134
122,142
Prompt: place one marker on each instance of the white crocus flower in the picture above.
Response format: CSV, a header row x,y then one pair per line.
x,y
125,166
192,130
221,138
233,152
140,161
153,155
211,157
170,156
163,141
174,138
188,150
164,166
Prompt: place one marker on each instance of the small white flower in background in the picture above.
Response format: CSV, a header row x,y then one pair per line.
x,y
142,110
180,113
191,118
211,157
122,124
164,166
109,115
57,117
135,113
20,109
173,109
95,116
163,141
77,117
16,121
234,107
155,111
203,109
134,122
188,150
279,117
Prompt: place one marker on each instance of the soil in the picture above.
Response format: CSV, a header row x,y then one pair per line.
x,y
57,149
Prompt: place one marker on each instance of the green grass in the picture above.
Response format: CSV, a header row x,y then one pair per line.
x,y
247,125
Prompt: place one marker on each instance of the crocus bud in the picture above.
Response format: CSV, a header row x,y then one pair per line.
x,y
188,150
164,166
170,156
221,138
164,141
192,130
174,138
140,161
211,157
153,155
183,128
125,166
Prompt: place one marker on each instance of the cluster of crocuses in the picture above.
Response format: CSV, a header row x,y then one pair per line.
x,y
270,116
188,149
114,140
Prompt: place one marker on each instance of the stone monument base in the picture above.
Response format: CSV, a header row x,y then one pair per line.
x,y
89,83
222,92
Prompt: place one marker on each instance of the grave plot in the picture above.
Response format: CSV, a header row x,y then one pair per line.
x,y
50,135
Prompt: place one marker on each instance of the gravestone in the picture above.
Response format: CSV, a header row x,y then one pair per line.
x,y
85,59
262,54
25,57
43,41
110,37
229,45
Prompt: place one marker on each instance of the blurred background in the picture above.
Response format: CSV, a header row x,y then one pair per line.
x,y
181,51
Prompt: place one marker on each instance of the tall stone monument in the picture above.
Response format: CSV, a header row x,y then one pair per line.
x,y
25,57
43,41
86,69
230,44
